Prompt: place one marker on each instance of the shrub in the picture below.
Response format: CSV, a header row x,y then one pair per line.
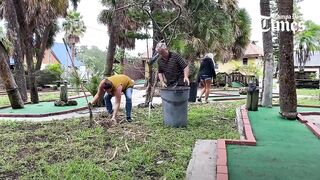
x,y
46,76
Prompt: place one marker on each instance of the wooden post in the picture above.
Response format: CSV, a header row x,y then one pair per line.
x,y
64,93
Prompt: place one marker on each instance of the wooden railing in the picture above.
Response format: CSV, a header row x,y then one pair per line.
x,y
224,78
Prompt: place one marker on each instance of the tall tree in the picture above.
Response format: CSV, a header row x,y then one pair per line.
x,y
28,18
306,43
75,4
6,75
44,39
288,94
36,15
74,28
112,18
93,58
268,56
123,23
16,37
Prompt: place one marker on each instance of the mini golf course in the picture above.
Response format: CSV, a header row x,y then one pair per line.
x,y
43,109
284,150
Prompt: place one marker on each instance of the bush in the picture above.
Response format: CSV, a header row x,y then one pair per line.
x,y
49,75
46,76
55,68
313,76
93,84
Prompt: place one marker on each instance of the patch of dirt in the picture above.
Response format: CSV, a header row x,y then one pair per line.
x,y
36,138
105,121
9,175
142,173
30,127
164,156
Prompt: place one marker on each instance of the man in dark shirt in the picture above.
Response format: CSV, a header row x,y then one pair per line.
x,y
172,67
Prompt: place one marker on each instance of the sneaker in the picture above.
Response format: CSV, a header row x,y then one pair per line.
x,y
129,119
199,100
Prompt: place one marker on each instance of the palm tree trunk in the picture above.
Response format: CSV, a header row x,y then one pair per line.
x,y
268,57
111,52
9,82
31,73
113,33
288,95
42,46
13,34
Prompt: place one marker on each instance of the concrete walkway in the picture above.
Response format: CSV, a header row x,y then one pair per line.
x,y
137,98
203,162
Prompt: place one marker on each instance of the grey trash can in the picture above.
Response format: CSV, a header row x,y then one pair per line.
x,y
175,106
252,97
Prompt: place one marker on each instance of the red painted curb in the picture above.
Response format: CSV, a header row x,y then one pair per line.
x,y
314,129
43,115
221,176
221,166
221,144
222,169
222,163
310,113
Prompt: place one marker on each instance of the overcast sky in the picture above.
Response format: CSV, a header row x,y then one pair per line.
x,y
96,33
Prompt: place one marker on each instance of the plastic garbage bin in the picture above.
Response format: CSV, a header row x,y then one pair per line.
x,y
175,106
193,91
252,97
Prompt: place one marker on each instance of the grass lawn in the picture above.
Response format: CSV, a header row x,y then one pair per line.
x,y
312,100
143,149
47,96
308,92
304,101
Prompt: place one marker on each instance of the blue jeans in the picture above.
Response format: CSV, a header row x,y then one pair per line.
x,y
128,95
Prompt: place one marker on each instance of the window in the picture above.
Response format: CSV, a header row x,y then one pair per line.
x,y
245,61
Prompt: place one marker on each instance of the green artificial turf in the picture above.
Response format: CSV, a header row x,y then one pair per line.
x,y
44,107
236,84
285,150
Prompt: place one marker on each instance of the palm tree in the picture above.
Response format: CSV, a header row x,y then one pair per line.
x,y
6,75
307,42
16,37
44,40
75,4
27,19
288,95
74,27
39,14
123,25
268,57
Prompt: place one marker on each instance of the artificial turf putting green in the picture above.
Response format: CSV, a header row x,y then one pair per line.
x,y
44,107
285,150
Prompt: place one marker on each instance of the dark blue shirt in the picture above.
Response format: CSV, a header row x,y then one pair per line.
x,y
207,68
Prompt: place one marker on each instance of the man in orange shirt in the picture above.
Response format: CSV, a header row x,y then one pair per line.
x,y
115,86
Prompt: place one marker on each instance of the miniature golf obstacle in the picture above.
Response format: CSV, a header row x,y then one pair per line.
x,y
64,93
64,97
175,106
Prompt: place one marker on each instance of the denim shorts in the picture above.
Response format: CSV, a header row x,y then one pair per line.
x,y
205,77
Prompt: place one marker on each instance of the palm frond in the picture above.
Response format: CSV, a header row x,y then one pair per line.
x,y
5,41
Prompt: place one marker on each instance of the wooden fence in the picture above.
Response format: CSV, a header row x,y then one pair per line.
x,y
224,78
